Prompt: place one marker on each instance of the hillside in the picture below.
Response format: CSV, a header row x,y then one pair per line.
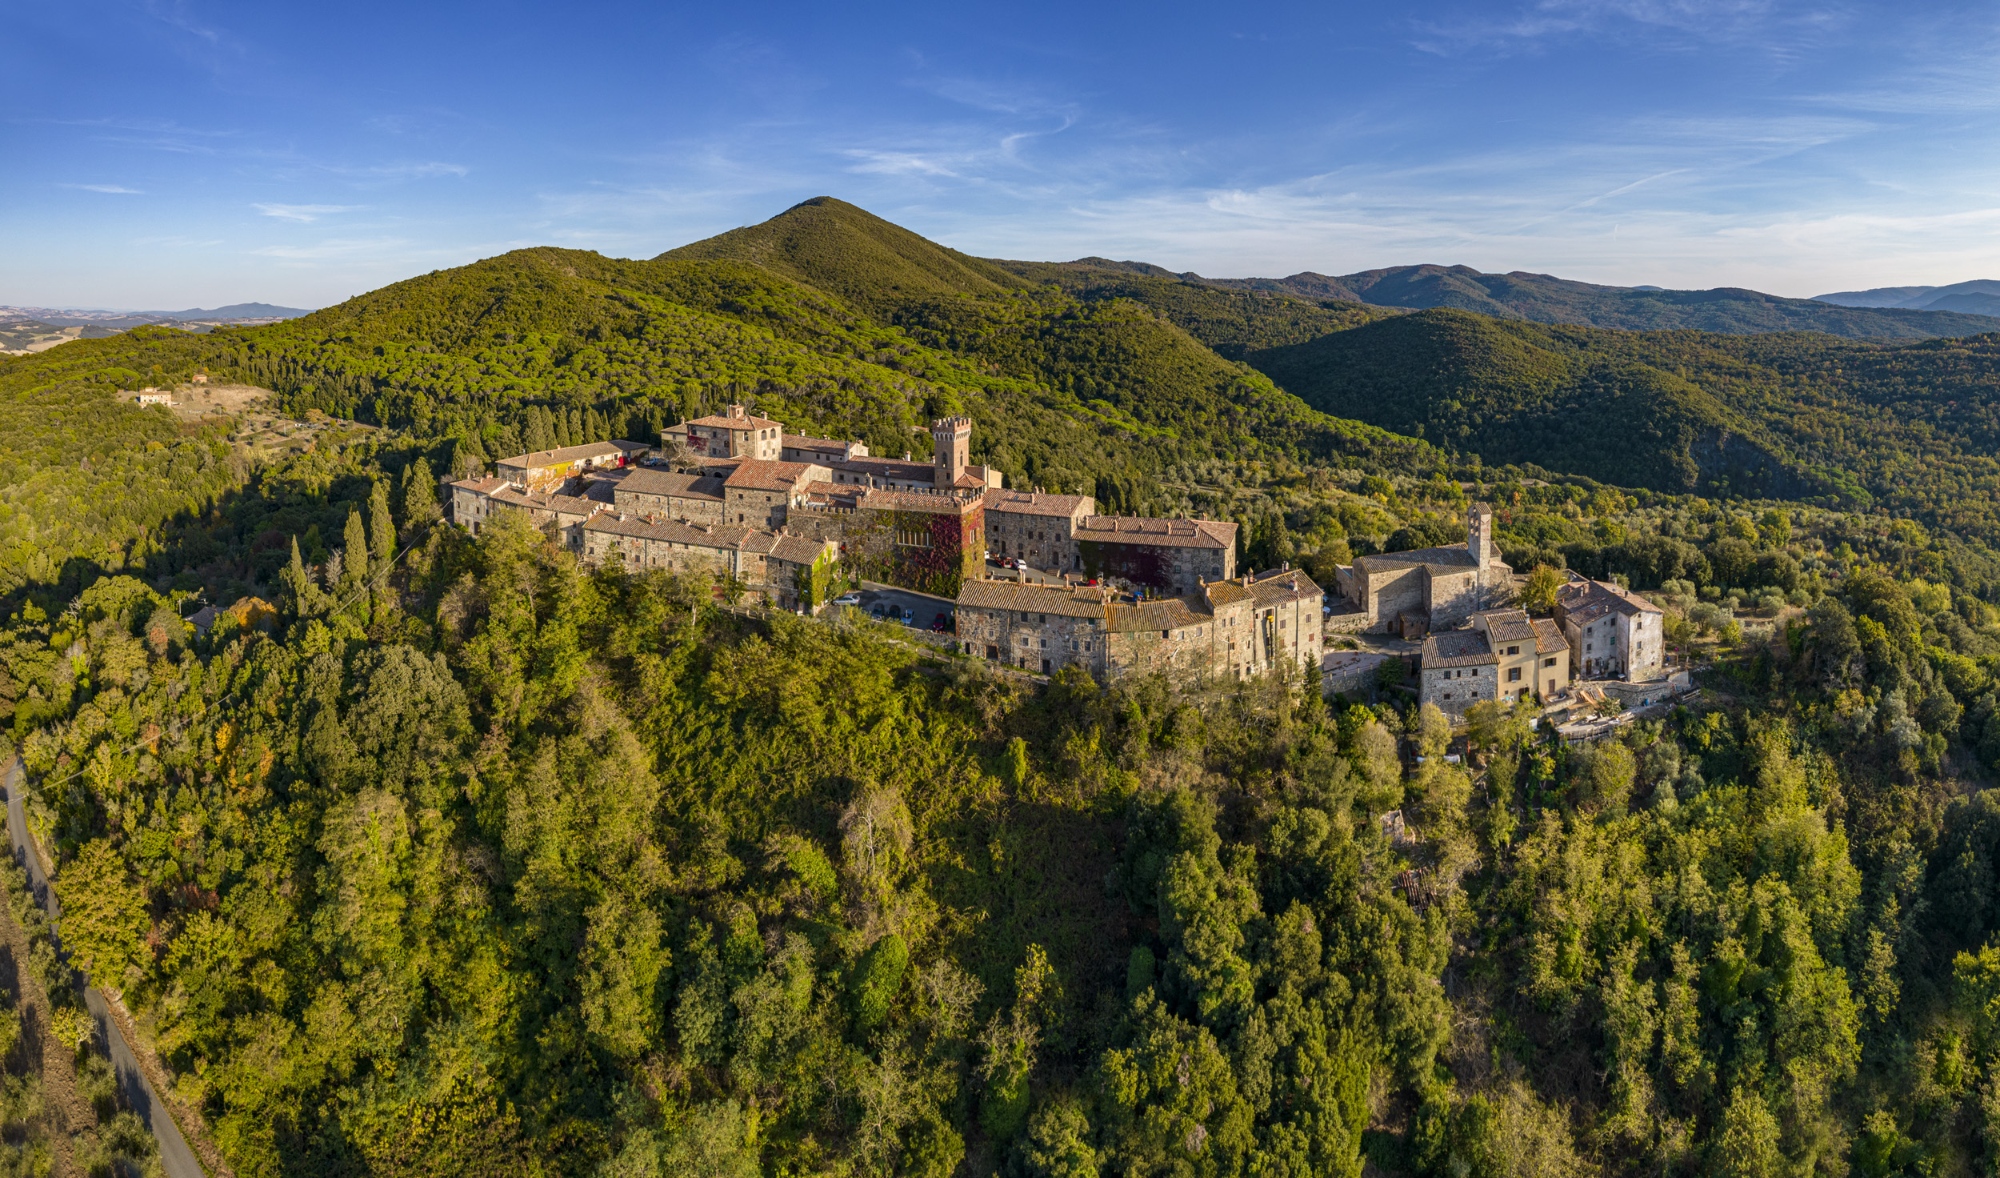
x,y
1542,298
1981,296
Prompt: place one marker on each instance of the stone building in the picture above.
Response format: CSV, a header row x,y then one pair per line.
x,y
929,541
1230,629
1501,654
543,469
557,512
735,434
768,563
762,494
1036,527
1174,556
1612,632
661,494
1412,593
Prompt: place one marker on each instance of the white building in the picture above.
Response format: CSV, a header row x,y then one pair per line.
x,y
1612,632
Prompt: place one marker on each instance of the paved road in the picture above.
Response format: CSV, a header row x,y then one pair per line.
x,y
175,1157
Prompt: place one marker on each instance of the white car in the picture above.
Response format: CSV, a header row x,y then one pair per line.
x,y
848,599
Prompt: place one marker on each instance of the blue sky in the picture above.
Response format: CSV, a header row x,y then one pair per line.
x,y
167,154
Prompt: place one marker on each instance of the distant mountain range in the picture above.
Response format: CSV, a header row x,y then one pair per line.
x,y
1543,298
83,317
1981,296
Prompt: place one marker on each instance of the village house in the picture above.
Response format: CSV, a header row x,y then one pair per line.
x,y
1036,527
1413,593
661,494
1228,629
474,502
544,469
735,434
1612,631
1175,556
1500,655
925,540
767,563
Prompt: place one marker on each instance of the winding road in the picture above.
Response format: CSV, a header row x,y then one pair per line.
x,y
176,1159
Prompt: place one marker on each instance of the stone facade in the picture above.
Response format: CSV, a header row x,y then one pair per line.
x,y
1229,630
660,494
1501,654
1612,632
736,434
1412,593
1036,527
768,563
1174,556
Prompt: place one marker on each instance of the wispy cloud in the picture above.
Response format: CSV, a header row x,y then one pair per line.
x,y
1764,24
302,213
115,189
336,248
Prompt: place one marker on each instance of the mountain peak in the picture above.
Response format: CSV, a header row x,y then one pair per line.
x,y
839,247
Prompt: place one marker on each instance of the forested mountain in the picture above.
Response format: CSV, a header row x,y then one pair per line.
x,y
1543,298
1981,296
466,859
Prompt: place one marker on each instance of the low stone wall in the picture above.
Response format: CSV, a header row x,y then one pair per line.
x,y
1349,671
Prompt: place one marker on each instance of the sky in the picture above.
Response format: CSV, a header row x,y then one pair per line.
x,y
164,154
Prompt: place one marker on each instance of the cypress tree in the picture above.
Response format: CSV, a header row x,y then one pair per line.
x,y
354,551
381,529
420,504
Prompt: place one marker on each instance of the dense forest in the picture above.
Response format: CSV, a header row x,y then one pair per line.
x,y
460,857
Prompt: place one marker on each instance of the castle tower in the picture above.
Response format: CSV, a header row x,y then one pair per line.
x,y
1479,535
951,446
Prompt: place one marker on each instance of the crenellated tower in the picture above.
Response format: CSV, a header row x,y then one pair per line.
x,y
951,449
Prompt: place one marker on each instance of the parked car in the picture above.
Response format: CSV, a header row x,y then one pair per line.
x,y
848,599
878,611
941,624
909,616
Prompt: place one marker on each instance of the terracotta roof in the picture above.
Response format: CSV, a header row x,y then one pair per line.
x,y
1227,592
548,501
755,475
800,549
1457,648
1035,599
1038,503
671,484
1171,533
603,491
1588,600
1548,636
1456,555
806,442
535,459
748,421
1171,614
482,486
1507,625
1283,585
670,531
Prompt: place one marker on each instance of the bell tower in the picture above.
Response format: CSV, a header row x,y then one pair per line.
x,y
951,447
1479,535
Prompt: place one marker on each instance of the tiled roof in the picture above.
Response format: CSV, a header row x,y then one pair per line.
x,y
1453,555
1038,503
746,422
603,491
670,531
1227,592
800,549
1549,636
1036,599
1171,614
539,458
1507,625
672,484
1589,600
1171,533
803,442
481,486
547,501
753,475
1283,585
1457,648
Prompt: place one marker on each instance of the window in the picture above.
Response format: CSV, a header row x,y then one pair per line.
x,y
1513,650
1513,674
1548,662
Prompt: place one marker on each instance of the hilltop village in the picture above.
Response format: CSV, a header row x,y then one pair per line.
x,y
1041,581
